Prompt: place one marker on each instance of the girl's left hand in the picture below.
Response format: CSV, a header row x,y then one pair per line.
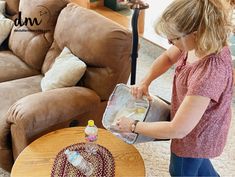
x,y
124,124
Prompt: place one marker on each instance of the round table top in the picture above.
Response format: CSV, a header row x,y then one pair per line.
x,y
37,158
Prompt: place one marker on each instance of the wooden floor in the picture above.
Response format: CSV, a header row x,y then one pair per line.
x,y
121,19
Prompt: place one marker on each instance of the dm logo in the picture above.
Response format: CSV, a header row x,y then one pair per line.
x,y
43,16
27,21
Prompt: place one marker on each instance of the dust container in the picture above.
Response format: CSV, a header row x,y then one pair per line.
x,y
122,103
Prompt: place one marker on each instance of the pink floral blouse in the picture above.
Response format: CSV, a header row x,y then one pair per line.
x,y
210,77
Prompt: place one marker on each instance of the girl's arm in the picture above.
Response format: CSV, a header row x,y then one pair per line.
x,y
159,66
162,64
186,118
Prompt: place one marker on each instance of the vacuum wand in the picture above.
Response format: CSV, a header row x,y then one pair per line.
x,y
137,5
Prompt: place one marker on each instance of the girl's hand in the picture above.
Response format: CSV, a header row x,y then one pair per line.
x,y
138,91
124,124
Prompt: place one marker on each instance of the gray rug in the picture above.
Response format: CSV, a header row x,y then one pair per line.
x,y
156,154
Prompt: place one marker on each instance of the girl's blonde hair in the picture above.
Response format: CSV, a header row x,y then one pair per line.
x,y
210,18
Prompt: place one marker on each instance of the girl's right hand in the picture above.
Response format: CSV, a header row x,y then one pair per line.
x,y
138,91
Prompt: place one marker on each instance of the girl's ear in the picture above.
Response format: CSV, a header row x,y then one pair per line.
x,y
195,33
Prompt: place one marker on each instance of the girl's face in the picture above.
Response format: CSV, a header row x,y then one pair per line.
x,y
185,42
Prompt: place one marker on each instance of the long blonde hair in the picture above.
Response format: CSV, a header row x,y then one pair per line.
x,y
210,18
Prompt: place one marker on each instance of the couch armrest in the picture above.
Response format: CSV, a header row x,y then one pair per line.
x,y
36,113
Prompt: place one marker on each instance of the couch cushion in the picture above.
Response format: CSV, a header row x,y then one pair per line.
x,y
66,71
30,47
31,42
11,67
12,7
102,44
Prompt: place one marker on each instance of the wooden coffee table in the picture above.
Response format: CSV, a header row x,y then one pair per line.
x,y
37,158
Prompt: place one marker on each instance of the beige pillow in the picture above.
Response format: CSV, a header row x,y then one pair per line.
x,y
5,23
2,8
66,71
5,26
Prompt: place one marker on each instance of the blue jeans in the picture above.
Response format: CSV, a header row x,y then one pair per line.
x,y
180,166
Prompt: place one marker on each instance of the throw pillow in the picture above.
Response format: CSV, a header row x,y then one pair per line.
x,y
66,71
5,26
2,8
5,23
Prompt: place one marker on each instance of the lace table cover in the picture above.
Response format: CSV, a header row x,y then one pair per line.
x,y
102,162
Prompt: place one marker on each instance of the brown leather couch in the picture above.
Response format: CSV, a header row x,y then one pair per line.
x,y
27,113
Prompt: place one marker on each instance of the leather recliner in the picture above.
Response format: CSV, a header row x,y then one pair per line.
x,y
26,112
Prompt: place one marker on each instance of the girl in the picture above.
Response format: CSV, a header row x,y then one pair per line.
x,y
202,86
